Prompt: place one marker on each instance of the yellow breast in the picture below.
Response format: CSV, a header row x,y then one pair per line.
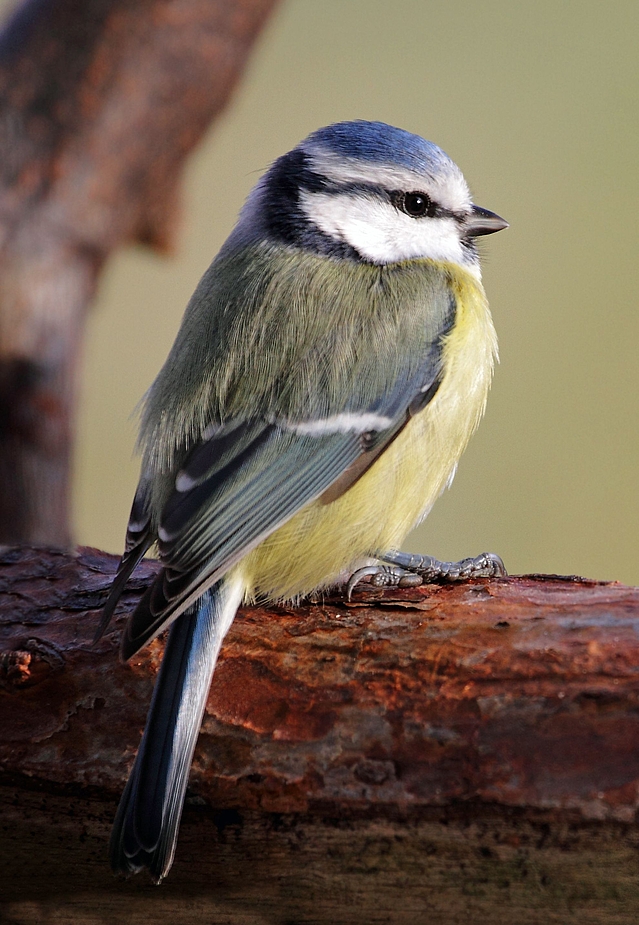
x,y
399,489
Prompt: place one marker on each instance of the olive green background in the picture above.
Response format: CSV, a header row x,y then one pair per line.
x,y
538,105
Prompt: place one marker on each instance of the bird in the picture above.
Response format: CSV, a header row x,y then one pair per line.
x,y
329,370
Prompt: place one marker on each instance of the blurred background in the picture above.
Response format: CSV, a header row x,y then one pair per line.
x,y
537,103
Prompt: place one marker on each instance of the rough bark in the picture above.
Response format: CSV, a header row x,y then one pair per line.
x,y
451,754
100,103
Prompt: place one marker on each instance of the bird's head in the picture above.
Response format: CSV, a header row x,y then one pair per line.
x,y
370,192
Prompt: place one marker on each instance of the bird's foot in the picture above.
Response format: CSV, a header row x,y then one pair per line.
x,y
405,570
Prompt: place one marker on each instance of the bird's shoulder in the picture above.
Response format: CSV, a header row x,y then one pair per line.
x,y
276,331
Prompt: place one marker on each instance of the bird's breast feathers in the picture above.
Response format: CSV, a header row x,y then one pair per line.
x,y
309,344
398,490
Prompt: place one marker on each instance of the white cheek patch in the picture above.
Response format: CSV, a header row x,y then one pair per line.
x,y
381,233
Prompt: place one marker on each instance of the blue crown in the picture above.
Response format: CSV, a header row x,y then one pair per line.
x,y
379,142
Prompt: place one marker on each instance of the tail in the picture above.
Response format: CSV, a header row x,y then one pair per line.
x,y
148,818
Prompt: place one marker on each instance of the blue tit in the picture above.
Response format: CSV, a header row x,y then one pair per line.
x,y
330,369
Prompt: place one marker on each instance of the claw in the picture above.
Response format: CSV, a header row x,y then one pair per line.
x,y
499,569
384,576
358,576
409,571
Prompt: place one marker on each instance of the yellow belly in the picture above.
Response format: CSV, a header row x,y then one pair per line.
x,y
399,489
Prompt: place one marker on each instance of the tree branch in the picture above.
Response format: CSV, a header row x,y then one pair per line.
x,y
100,103
450,750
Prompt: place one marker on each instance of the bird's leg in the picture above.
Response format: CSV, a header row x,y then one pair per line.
x,y
405,570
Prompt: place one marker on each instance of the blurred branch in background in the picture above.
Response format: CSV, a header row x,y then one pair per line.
x,y
100,103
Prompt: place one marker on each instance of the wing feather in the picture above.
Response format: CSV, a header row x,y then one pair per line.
x,y
139,539
293,405
229,518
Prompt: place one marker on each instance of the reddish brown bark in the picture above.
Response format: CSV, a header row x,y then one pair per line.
x,y
485,733
100,103
522,691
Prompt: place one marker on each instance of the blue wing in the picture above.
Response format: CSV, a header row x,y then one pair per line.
x,y
233,491
251,474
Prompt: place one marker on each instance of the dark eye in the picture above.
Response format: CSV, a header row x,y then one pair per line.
x,y
418,204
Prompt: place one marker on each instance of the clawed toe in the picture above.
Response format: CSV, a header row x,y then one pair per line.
x,y
383,576
406,570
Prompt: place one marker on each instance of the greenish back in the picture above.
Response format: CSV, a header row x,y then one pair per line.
x,y
289,335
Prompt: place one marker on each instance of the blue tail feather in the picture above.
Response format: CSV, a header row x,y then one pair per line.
x,y
148,818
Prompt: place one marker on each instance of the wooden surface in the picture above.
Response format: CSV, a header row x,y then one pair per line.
x,y
449,754
100,103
